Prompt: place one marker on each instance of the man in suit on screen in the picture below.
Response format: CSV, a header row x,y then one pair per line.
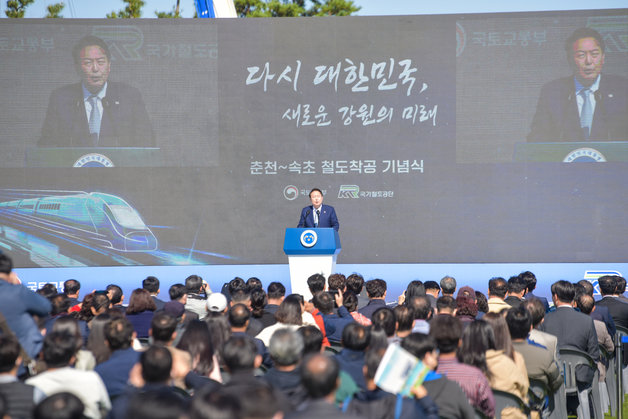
x,y
587,106
317,214
96,112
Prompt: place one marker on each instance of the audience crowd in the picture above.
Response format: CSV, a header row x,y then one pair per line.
x,y
250,352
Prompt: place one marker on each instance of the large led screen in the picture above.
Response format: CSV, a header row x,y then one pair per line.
x,y
437,139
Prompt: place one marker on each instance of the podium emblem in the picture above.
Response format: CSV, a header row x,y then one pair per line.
x,y
309,238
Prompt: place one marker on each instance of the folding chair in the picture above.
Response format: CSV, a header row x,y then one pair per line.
x,y
549,405
610,380
568,360
503,399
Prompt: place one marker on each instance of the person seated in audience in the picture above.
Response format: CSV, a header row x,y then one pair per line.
x,y
601,312
288,316
384,319
503,342
114,371
116,297
446,394
312,340
243,296
422,310
151,374
355,284
497,289
617,308
151,284
355,340
239,316
446,305
197,341
562,324
259,300
85,360
211,404
404,321
319,376
466,309
63,405
375,403
448,286
334,324
517,287
286,350
376,291
414,288
537,314
350,301
59,354
447,332
157,404
530,280
432,290
72,288
586,305
275,293
197,293
140,312
480,350
178,293
539,361
482,302
20,398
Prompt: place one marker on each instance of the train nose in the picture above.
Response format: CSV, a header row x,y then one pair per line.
x,y
141,240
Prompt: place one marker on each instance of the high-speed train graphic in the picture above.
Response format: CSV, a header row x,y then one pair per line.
x,y
92,219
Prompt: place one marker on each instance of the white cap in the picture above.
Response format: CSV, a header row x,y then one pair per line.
x,y
216,302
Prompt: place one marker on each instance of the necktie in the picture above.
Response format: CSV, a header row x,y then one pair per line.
x,y
318,217
94,119
586,114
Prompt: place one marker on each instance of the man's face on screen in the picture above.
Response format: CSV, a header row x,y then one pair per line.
x,y
588,59
95,67
317,199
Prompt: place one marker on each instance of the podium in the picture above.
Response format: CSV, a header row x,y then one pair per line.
x,y
310,251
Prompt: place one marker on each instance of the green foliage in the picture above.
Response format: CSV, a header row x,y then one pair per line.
x,y
54,10
294,8
16,8
133,9
175,12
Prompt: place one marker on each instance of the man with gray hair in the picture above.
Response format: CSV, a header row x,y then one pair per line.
x,y
448,285
286,348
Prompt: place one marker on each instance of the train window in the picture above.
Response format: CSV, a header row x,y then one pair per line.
x,y
127,217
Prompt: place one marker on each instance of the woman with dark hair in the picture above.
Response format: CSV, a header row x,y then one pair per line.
x,y
258,302
96,340
220,332
480,350
466,309
196,340
84,359
350,301
288,315
414,288
140,312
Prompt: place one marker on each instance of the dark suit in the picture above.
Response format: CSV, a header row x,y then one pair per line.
x,y
327,218
560,323
513,301
124,122
557,117
617,308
